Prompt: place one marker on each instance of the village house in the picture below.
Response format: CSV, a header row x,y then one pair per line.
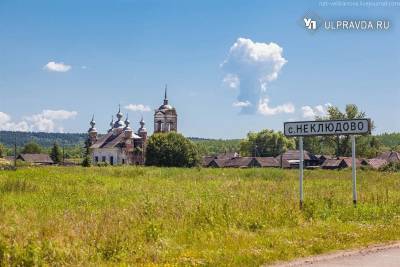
x,y
293,158
36,159
121,145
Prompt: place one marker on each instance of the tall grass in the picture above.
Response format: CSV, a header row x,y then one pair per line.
x,y
214,217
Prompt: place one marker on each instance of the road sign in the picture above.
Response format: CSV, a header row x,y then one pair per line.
x,y
331,127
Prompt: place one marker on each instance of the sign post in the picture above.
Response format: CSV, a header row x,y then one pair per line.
x,y
301,166
353,166
327,127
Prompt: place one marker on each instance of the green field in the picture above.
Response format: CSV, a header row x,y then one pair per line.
x,y
167,216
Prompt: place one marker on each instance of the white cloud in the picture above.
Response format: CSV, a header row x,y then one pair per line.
x,y
232,81
265,109
6,124
317,111
239,104
57,67
137,107
250,66
58,114
46,121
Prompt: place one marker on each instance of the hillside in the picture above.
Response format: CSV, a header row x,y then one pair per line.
x,y
46,140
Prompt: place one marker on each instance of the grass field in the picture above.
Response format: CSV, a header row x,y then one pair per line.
x,y
213,217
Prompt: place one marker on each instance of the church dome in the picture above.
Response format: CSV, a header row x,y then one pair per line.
x,y
119,124
165,107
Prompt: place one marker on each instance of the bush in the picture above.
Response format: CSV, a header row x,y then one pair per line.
x,y
171,150
391,167
31,148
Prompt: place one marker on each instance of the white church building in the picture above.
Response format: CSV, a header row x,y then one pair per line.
x,y
121,145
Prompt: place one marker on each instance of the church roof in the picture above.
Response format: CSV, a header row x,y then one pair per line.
x,y
165,106
110,141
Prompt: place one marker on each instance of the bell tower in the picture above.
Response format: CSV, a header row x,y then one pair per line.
x,y
165,117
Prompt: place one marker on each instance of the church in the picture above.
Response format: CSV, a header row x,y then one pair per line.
x,y
121,145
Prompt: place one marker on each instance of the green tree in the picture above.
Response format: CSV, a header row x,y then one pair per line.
x,y
87,162
31,148
171,150
266,143
56,154
366,146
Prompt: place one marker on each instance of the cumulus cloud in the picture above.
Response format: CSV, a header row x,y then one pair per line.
x,y
6,124
232,81
250,66
239,104
46,121
317,111
137,107
57,67
265,109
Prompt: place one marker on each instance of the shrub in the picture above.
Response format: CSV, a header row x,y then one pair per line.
x,y
31,148
391,167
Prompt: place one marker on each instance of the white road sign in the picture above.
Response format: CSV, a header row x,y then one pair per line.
x,y
331,127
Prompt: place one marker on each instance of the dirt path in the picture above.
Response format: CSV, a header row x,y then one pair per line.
x,y
380,255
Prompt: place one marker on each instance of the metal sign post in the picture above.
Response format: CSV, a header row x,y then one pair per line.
x,y
301,166
329,127
354,166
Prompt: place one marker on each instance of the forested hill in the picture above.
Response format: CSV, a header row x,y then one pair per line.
x,y
206,146
46,140
43,139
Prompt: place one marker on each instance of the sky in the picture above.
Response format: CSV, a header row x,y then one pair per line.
x,y
231,66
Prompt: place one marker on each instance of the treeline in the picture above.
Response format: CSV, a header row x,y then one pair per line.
x,y
264,143
270,143
216,146
45,140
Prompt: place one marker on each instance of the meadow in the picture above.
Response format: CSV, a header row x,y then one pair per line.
x,y
102,216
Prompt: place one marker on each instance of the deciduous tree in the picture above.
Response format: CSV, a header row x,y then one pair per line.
x,y
171,150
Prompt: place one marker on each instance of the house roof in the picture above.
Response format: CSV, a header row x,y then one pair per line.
x,y
330,163
377,163
206,161
295,155
390,156
324,157
342,162
347,161
110,141
268,161
239,162
36,158
218,162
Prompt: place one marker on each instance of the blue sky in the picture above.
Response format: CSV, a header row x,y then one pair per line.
x,y
124,52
